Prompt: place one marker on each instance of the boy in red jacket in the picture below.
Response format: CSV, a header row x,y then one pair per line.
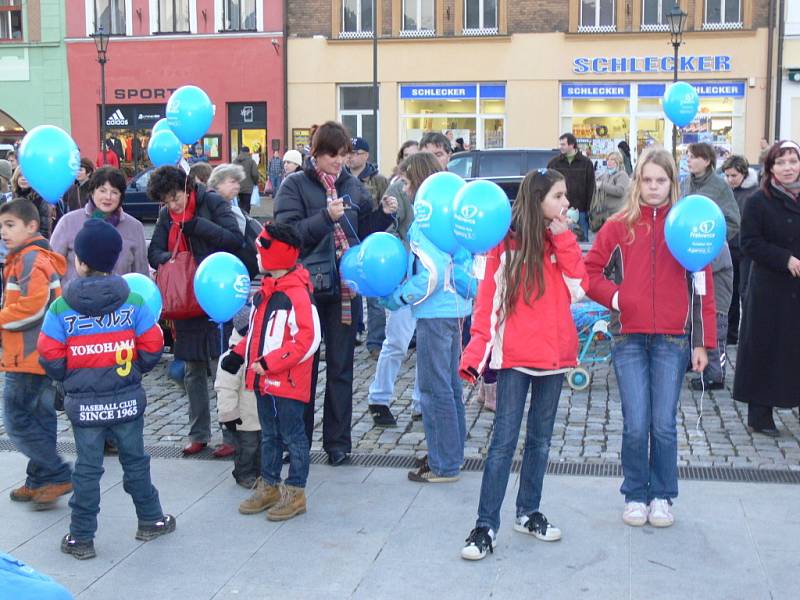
x,y
279,349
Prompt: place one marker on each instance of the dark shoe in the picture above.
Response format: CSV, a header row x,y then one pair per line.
x,y
416,416
80,549
768,431
194,448
23,494
698,385
425,475
732,340
381,415
337,458
374,353
361,337
165,525
110,448
223,451
46,496
247,483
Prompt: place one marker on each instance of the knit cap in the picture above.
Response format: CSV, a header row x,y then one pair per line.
x,y
98,244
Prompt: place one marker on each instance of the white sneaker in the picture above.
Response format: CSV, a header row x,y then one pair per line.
x,y
635,514
480,541
536,524
660,513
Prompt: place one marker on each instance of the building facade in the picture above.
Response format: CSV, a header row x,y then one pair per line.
x,y
499,73
790,76
33,67
232,49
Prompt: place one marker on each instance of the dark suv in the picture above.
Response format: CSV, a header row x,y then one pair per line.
x,y
506,166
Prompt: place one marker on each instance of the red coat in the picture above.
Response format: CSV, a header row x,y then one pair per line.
x,y
653,288
539,335
284,334
109,160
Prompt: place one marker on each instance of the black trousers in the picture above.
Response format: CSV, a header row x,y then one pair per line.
x,y
244,202
337,414
734,312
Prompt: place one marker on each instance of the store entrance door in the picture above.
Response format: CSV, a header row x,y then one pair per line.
x,y
247,122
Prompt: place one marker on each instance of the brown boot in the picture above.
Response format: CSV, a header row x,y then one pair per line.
x,y
46,496
293,503
264,496
23,494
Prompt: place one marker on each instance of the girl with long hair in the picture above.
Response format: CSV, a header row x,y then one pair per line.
x,y
522,321
663,316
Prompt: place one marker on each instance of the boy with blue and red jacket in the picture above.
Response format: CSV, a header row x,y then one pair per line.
x,y
279,349
98,339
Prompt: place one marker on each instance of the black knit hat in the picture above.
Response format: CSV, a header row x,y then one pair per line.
x,y
98,244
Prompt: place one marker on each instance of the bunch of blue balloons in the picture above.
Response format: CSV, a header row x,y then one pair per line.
x,y
189,115
375,267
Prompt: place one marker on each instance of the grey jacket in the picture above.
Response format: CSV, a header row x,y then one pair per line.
x,y
609,196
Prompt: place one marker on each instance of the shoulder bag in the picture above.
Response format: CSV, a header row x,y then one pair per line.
x,y
175,281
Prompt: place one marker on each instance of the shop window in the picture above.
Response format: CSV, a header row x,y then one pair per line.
x,y
356,19
723,14
653,15
10,19
239,15
355,113
418,18
173,16
110,15
480,17
597,16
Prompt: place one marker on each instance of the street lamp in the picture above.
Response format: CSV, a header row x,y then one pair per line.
x,y
677,21
101,39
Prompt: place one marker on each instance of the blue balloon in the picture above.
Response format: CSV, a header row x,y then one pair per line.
x,y
164,149
383,262
148,290
695,231
189,113
161,125
49,160
433,209
481,215
221,286
352,274
680,103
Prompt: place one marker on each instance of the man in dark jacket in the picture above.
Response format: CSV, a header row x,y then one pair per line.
x,y
578,171
251,178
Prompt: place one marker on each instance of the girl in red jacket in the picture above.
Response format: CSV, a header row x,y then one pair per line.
x,y
664,315
523,321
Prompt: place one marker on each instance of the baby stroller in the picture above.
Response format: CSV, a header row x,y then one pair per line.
x,y
591,320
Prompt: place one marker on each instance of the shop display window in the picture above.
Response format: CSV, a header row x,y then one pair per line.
x,y
599,124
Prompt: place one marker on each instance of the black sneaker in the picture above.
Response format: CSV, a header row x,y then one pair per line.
x,y
381,415
80,549
480,541
163,526
536,524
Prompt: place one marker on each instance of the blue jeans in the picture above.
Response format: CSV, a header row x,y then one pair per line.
x,y
650,371
30,421
583,223
438,352
376,323
512,395
85,501
276,183
400,325
282,423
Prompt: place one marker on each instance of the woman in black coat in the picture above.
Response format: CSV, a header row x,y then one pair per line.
x,y
210,226
325,203
769,352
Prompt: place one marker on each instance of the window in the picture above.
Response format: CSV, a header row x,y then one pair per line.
x,y
10,19
173,16
418,18
597,16
653,13
110,15
355,113
480,17
239,15
356,19
723,14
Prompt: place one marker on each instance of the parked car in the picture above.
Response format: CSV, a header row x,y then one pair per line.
x,y
505,166
5,149
137,203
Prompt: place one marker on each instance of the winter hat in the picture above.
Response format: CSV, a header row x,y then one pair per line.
x,y
293,156
98,245
359,143
5,169
278,246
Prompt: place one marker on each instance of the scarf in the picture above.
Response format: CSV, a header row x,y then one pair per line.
x,y
792,189
110,218
177,241
340,244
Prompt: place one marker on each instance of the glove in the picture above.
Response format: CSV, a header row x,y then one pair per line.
x,y
231,425
231,363
469,374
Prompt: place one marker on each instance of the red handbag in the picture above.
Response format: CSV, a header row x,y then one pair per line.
x,y
175,281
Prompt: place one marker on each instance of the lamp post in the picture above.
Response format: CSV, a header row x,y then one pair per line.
x,y
101,43
677,21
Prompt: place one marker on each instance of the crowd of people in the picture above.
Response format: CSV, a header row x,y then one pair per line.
x,y
76,337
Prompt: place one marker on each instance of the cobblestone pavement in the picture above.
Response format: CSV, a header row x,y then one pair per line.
x,y
588,426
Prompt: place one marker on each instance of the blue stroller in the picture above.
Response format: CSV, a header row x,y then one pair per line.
x,y
594,341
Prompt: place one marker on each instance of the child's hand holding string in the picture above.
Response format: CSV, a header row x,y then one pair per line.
x,y
699,360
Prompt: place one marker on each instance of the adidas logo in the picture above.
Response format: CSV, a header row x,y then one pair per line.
x,y
117,118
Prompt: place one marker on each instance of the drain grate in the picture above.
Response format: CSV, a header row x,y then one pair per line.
x,y
729,474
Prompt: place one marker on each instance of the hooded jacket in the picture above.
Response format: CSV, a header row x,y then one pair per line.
x,y
99,338
32,281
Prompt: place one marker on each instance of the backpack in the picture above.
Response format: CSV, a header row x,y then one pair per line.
x,y
247,253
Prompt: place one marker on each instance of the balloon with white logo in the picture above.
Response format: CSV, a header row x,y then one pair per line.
x,y
481,215
680,103
433,209
189,113
695,231
164,148
221,286
50,160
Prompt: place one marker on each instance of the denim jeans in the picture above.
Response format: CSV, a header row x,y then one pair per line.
x,y
512,395
438,353
583,223
85,501
30,421
282,423
650,371
400,325
376,323
717,358
196,381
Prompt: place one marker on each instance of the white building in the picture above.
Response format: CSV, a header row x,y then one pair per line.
x,y
790,77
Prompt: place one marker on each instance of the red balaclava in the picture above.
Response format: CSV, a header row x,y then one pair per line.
x,y
275,255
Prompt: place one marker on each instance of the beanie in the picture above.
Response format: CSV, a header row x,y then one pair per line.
x,y
274,253
5,169
293,156
98,244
